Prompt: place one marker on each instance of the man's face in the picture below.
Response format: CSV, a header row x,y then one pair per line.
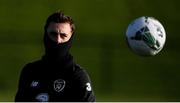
x,y
59,32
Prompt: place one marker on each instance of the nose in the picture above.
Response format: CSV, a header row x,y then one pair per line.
x,y
59,39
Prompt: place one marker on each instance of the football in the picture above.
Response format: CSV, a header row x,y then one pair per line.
x,y
146,36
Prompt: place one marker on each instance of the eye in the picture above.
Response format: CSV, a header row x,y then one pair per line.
x,y
63,34
53,33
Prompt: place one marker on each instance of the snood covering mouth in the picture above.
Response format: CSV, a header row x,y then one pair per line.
x,y
57,52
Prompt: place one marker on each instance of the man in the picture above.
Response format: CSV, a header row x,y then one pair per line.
x,y
56,77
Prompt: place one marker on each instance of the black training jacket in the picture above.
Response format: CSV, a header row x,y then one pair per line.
x,y
40,81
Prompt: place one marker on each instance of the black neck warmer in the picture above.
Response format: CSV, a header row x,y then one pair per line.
x,y
58,54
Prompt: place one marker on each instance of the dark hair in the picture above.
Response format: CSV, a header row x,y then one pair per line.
x,y
59,17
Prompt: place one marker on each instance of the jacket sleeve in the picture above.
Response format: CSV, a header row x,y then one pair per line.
x,y
85,91
22,92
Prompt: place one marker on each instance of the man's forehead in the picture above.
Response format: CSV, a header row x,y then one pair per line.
x,y
56,25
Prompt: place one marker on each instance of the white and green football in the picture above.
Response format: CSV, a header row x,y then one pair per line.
x,y
146,36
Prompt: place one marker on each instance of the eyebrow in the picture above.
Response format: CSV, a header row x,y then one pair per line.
x,y
54,32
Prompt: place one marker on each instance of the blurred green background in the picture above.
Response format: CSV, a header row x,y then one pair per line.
x,y
99,46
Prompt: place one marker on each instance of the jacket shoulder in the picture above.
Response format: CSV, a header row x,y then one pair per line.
x,y
79,70
81,74
30,67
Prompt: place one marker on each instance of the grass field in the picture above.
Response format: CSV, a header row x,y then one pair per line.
x,y
99,46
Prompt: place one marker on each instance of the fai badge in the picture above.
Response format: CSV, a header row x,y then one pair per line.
x,y
42,97
59,85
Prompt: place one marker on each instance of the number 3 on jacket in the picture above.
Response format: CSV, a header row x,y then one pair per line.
x,y
88,88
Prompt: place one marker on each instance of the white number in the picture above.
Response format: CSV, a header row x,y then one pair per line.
x,y
88,88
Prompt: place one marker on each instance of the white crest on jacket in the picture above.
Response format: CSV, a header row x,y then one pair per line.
x,y
59,85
